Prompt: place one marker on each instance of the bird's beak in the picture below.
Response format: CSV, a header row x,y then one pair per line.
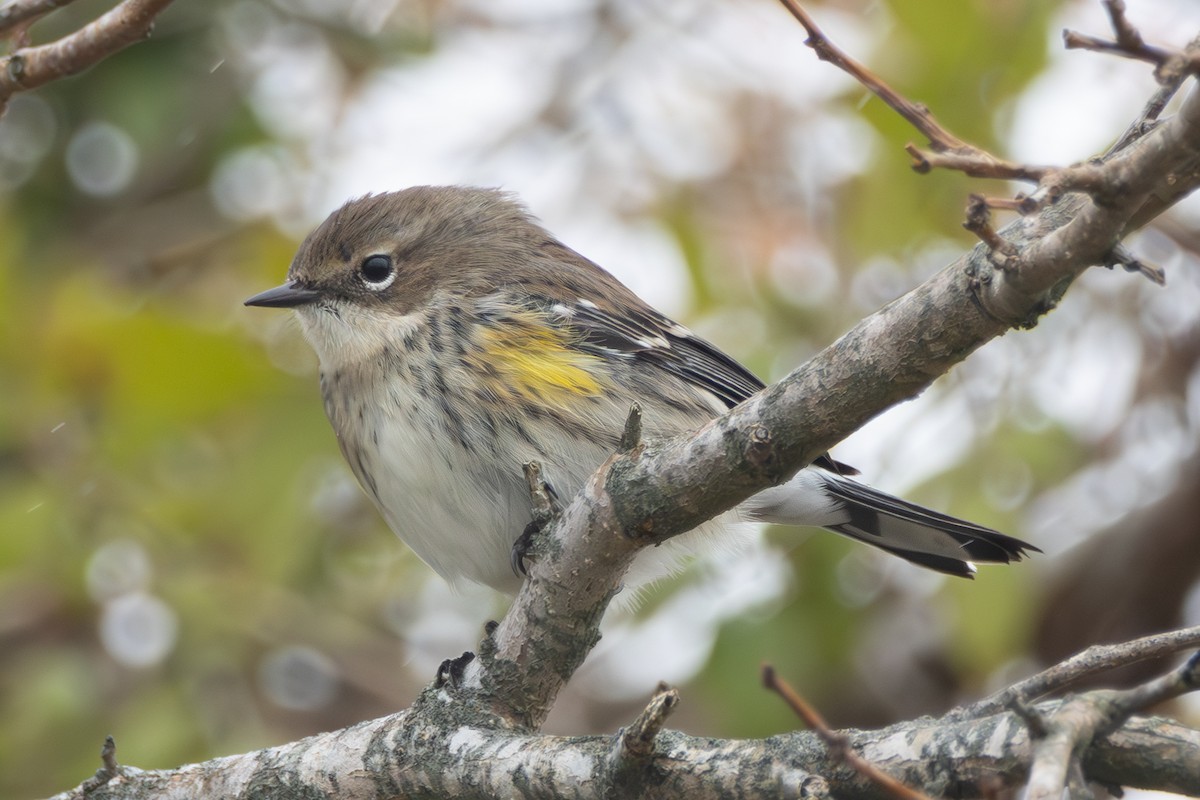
x,y
289,295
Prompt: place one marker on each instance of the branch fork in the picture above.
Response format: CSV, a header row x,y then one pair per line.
x,y
1103,181
29,67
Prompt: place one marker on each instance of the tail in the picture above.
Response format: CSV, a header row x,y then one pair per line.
x,y
928,538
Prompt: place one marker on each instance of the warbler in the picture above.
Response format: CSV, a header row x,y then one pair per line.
x,y
458,339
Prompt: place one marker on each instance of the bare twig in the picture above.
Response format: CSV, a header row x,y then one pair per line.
x,y
30,67
1021,203
1169,63
917,115
1033,717
1180,681
979,222
1096,659
1073,726
17,15
1170,82
949,152
1121,257
108,754
975,163
837,743
634,748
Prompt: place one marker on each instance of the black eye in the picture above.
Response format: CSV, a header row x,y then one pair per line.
x,y
377,271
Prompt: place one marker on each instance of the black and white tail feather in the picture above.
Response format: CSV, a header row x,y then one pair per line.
x,y
917,534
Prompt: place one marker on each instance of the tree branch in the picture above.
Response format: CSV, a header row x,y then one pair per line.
x,y
948,151
645,497
16,15
31,67
1170,63
838,743
1072,727
1093,661
417,754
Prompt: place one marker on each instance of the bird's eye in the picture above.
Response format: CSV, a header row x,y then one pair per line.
x,y
377,272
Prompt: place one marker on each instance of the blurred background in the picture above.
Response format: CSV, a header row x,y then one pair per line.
x,y
186,564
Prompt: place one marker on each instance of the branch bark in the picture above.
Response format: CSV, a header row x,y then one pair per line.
x,y
406,756
31,67
646,496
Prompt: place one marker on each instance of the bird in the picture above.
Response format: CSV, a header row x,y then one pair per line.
x,y
459,339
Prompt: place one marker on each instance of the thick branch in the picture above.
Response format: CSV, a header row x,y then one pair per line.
x,y
645,497
398,756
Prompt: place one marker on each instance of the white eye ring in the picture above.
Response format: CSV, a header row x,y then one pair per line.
x,y
377,272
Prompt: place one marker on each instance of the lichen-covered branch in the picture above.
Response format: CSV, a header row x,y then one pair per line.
x,y
414,755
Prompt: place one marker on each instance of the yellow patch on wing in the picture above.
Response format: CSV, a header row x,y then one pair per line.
x,y
536,362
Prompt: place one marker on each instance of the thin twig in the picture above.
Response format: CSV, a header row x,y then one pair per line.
x,y
30,67
1096,659
1020,203
1170,85
837,743
1177,682
979,222
975,163
1170,63
917,115
949,152
17,15
1120,256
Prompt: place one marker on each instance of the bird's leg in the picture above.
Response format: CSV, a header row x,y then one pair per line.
x,y
522,547
545,508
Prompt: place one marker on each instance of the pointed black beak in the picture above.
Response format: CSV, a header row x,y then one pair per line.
x,y
289,295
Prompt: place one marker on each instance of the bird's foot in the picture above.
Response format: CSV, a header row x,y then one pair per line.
x,y
521,547
450,673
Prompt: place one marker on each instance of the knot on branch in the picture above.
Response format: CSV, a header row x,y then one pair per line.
x,y
631,437
14,67
636,743
760,448
109,768
979,222
634,747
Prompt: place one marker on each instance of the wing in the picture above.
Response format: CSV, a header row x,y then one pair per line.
x,y
640,332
